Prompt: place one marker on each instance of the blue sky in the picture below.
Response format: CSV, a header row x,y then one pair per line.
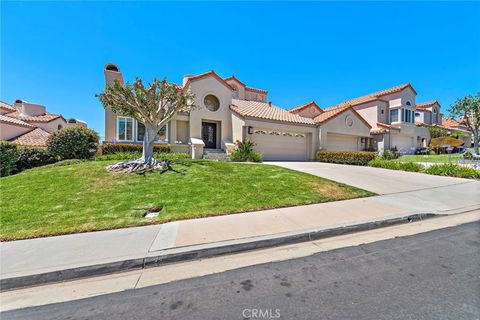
x,y
53,53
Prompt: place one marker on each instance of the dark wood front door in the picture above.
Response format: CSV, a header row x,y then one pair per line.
x,y
209,135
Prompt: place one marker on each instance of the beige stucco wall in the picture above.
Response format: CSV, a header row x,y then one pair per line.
x,y
52,125
310,112
201,88
182,131
338,125
238,128
240,88
252,95
8,131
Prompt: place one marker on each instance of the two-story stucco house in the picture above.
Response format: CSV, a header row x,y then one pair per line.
x,y
29,124
229,110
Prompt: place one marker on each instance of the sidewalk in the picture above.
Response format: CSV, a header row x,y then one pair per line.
x,y
127,249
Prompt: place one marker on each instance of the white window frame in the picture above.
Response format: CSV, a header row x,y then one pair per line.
x,y
156,141
118,131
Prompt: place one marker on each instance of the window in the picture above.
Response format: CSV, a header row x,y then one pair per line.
x,y
382,111
417,114
161,136
408,103
59,127
394,115
403,115
234,92
124,129
211,102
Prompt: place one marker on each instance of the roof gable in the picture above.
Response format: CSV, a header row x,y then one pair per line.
x,y
304,106
206,75
334,112
232,77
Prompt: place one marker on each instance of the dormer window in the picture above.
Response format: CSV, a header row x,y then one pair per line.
x,y
408,103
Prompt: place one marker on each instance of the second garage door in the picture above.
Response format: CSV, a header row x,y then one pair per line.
x,y
281,147
341,142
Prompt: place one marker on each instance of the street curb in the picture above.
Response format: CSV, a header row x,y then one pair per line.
x,y
167,256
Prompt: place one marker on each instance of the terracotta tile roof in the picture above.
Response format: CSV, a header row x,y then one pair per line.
x,y
426,105
448,123
5,106
376,95
332,112
304,106
256,90
47,117
232,77
267,111
14,121
34,138
206,75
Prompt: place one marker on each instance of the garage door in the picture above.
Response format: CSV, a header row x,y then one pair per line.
x,y
341,142
402,143
280,146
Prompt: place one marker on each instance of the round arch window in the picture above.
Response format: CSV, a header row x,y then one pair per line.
x,y
211,102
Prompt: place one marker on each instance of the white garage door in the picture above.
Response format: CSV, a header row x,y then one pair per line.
x,y
403,143
341,142
281,147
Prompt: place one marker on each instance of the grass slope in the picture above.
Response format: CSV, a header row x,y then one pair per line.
x,y
85,197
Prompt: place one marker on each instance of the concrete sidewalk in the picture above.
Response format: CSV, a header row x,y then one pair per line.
x,y
39,256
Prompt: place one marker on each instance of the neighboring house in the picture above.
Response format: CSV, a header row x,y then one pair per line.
x,y
428,113
229,110
460,127
29,124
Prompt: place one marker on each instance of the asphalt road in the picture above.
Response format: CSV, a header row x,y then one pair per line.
x,y
434,275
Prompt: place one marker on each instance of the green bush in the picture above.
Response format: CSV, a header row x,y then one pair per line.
x,y
8,158
244,152
28,158
360,158
452,170
112,148
76,142
395,165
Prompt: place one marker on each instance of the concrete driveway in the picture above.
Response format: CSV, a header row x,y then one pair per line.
x,y
381,181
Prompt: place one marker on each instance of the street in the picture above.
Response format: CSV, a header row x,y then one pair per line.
x,y
432,275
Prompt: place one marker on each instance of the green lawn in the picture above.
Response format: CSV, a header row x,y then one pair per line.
x,y
446,158
85,197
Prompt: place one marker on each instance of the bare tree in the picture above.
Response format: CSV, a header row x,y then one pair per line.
x,y
154,106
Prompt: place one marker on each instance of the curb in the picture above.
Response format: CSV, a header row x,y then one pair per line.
x,y
167,256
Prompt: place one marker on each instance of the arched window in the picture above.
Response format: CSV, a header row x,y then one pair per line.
x,y
59,127
111,67
408,103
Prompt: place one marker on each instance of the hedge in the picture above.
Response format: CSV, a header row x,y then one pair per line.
x,y
14,158
396,165
360,158
112,148
452,170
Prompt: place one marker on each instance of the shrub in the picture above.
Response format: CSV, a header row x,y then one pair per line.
x,y
74,142
112,148
8,158
452,170
386,155
395,165
345,157
244,152
28,158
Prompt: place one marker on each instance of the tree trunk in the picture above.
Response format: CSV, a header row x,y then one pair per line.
x,y
148,141
475,141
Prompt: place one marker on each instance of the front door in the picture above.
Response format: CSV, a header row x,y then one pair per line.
x,y
209,135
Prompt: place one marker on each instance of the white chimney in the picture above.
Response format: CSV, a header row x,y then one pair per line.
x,y
31,109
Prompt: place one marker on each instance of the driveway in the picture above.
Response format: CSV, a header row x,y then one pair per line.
x,y
381,181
